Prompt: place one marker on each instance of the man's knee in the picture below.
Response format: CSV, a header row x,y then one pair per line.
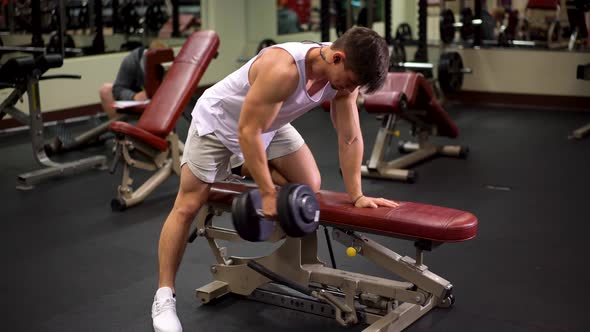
x,y
311,179
315,182
186,211
106,91
191,196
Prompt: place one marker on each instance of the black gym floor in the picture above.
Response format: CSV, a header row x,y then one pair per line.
x,y
70,264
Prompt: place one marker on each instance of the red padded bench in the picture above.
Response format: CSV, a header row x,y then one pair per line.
x,y
408,221
419,96
407,96
388,304
153,136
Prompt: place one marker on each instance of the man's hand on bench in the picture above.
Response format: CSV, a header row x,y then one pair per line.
x,y
371,202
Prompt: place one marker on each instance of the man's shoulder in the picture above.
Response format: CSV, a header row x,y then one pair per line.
x,y
136,53
278,56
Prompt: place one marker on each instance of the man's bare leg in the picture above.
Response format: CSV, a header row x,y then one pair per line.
x,y
277,178
191,196
106,100
296,167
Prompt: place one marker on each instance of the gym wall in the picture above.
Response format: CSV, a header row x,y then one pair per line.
x,y
242,24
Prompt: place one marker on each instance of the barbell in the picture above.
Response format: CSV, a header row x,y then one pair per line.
x,y
155,16
298,212
450,71
466,27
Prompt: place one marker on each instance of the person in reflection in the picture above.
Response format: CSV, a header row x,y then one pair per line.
x,y
130,79
288,20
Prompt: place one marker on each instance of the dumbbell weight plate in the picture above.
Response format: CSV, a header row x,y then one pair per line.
x,y
155,17
403,33
398,55
467,29
446,26
450,72
298,210
54,46
247,222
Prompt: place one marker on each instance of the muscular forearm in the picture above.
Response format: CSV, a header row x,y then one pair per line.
x,y
351,155
255,155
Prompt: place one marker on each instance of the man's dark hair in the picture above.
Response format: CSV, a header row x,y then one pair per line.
x,y
367,55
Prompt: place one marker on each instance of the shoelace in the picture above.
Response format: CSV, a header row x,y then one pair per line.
x,y
164,305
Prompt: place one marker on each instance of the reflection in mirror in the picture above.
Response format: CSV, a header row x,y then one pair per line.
x,y
137,22
533,24
93,26
297,16
304,15
367,12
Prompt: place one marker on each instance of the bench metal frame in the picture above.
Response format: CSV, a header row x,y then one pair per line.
x,y
34,120
163,163
383,304
397,169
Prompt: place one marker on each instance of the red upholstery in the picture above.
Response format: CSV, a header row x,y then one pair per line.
x,y
381,102
326,105
419,96
413,85
444,124
181,80
140,134
153,69
169,101
543,4
409,220
386,102
403,91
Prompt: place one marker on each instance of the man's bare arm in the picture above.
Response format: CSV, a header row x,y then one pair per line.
x,y
273,78
345,117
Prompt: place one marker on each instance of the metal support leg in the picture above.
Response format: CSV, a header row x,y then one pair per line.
x,y
27,180
581,132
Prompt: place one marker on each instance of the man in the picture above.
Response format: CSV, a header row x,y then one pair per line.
x,y
130,80
288,20
247,114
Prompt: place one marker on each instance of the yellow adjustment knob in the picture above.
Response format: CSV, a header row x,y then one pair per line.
x,y
396,133
351,252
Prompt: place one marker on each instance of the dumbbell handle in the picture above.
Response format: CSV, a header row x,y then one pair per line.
x,y
415,65
260,213
462,71
425,65
474,22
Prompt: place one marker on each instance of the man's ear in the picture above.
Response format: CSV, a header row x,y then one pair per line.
x,y
338,57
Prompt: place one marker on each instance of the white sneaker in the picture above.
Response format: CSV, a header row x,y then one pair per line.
x,y
164,311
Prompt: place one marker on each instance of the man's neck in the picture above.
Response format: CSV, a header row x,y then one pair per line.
x,y
314,65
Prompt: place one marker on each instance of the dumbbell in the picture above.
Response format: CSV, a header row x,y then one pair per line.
x,y
448,25
298,212
450,68
155,16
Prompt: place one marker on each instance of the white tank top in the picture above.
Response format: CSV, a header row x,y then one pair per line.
x,y
218,109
